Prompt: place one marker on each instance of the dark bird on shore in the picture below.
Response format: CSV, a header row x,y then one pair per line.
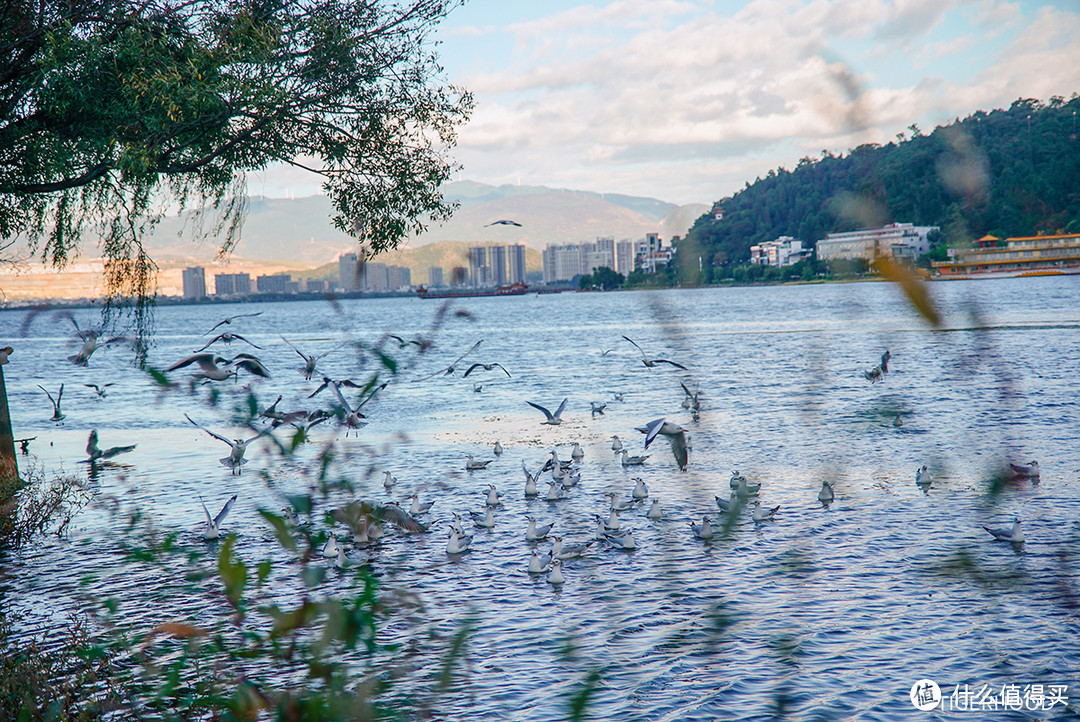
x,y
651,362
230,319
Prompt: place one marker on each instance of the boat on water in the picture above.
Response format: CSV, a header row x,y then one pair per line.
x,y
993,257
514,289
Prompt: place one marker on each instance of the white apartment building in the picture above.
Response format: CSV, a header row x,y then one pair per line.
x,y
784,251
563,262
896,240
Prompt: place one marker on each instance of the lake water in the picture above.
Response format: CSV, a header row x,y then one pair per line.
x,y
833,612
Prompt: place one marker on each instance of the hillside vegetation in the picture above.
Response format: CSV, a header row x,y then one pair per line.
x,y
1007,172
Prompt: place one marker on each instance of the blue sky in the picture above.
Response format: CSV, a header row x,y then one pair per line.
x,y
686,101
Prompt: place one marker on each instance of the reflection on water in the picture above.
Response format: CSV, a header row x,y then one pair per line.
x,y
838,610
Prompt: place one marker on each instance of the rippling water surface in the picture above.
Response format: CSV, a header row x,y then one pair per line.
x,y
833,612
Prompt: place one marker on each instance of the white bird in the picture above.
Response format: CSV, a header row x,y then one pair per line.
x,y
555,576
99,390
616,445
617,505
1016,534
736,478
235,459
213,526
538,564
417,508
484,519
674,433
310,360
654,511
342,561
569,551
226,338
691,401
58,415
95,452
471,465
922,476
554,492
622,541
612,523
91,339
552,419
330,549
349,415
826,494
628,460
530,480
760,514
492,496
577,454
535,533
218,368
597,408
498,450
449,370
230,319
703,530
457,544
1028,471
486,367
389,480
726,505
746,489
651,362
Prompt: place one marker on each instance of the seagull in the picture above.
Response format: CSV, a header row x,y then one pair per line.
x,y
538,564
230,319
213,526
640,490
342,561
503,222
486,367
95,452
612,523
391,512
760,514
235,459
535,533
555,576
617,505
418,508
1029,471
746,489
471,465
691,402
226,338
498,449
309,360
654,511
651,362
576,453
91,339
726,505
897,421
552,419
217,368
569,551
493,495
826,494
885,361
350,415
554,492
633,460
484,519
1016,534
530,480
99,390
736,479
873,375
449,370
57,416
597,408
330,549
703,530
389,480
622,541
457,544
618,397
616,445
674,433
922,477
477,388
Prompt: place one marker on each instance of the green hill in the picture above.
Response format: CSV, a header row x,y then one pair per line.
x,y
1008,172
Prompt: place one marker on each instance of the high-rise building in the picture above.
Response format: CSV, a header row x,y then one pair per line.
x,y
278,283
232,284
478,266
624,257
435,276
195,282
515,263
348,272
497,265
398,277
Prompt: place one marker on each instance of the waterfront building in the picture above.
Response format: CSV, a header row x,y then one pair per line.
x,y
1020,256
624,257
478,266
784,251
313,285
348,272
896,240
277,283
515,263
195,282
435,276
232,284
496,257
398,278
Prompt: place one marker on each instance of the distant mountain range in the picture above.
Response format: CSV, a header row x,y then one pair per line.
x,y
281,229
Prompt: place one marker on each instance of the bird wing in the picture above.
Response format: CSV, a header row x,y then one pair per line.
x,y
206,360
470,370
47,394
474,347
397,516
665,361
236,335
224,510
117,450
205,510
541,408
636,346
209,343
216,436
678,447
59,395
503,370
307,359
562,407
250,364
651,430
325,381
92,442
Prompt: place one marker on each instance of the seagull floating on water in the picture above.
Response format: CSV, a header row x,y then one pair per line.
x,y
622,541
530,480
552,419
538,564
498,450
1015,534
628,460
1026,471
761,515
457,544
569,551
483,519
493,495
703,530
576,453
922,477
330,549
651,362
57,416
417,508
388,480
213,526
654,511
826,494
535,533
640,490
616,445
555,576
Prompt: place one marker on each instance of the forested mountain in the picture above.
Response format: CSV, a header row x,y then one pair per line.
x,y
1007,172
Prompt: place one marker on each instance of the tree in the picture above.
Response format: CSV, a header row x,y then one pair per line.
x,y
112,111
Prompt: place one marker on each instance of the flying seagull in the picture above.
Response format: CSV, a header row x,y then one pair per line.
x,y
350,415
309,360
651,362
226,338
503,222
58,415
217,368
486,367
449,370
91,342
674,433
552,419
235,459
95,452
99,390
230,319
213,525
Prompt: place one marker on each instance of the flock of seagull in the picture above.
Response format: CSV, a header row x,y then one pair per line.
x,y
364,520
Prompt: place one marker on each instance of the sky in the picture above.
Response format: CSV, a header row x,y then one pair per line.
x,y
686,101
